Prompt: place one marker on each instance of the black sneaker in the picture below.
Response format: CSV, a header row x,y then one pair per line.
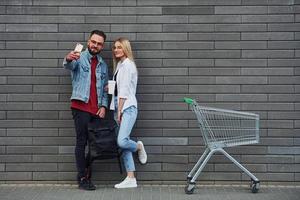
x,y
86,184
78,179
91,185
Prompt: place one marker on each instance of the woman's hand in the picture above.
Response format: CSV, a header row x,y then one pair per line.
x,y
106,88
120,107
119,117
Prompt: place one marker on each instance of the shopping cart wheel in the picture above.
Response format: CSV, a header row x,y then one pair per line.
x,y
189,188
254,186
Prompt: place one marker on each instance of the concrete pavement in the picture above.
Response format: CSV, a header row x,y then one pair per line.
x,y
144,192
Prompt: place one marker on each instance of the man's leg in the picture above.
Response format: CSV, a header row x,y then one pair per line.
x,y
81,120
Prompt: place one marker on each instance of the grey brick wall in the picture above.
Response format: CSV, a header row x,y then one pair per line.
x,y
234,54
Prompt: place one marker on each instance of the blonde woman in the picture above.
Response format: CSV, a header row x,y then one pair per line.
x,y
126,77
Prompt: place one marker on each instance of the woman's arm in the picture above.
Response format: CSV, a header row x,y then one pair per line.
x,y
120,107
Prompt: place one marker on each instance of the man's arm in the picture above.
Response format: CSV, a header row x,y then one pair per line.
x,y
70,60
104,93
104,99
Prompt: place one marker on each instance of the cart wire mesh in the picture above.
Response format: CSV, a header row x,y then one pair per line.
x,y
227,128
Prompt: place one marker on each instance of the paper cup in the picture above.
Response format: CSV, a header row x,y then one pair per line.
x,y
111,86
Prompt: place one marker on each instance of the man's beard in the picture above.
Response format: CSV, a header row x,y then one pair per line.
x,y
93,53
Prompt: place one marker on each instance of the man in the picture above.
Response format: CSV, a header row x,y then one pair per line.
x,y
89,75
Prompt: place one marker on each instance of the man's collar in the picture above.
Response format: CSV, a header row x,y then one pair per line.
x,y
89,56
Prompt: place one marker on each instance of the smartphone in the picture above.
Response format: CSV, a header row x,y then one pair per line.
x,y
78,48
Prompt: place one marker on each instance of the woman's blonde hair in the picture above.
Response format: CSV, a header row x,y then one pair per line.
x,y
125,44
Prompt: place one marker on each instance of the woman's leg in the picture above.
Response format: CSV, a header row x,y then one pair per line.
x,y
125,143
128,146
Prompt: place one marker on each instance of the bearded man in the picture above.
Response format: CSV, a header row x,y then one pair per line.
x,y
89,98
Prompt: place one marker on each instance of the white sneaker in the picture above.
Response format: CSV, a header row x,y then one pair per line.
x,y
142,153
127,183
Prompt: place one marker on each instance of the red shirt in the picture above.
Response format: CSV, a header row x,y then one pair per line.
x,y
92,105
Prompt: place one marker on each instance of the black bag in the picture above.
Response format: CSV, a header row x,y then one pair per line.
x,y
102,140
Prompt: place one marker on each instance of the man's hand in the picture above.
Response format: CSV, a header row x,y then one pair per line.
x,y
101,112
72,56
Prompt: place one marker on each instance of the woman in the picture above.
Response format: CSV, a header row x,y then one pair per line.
x,y
126,108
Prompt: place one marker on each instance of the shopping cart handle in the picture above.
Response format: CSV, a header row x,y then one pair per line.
x,y
188,100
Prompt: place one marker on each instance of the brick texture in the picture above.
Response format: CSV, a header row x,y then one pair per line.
x,y
234,54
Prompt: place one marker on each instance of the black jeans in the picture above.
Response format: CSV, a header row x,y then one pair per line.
x,y
81,120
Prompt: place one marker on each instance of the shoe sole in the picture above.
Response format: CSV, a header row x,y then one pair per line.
x,y
125,187
145,153
87,189
142,163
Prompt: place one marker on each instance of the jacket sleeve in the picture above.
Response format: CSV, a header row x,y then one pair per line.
x,y
104,101
70,65
124,86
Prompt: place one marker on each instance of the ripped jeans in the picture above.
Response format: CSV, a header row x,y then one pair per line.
x,y
127,145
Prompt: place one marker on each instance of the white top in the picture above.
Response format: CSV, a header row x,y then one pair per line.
x,y
126,82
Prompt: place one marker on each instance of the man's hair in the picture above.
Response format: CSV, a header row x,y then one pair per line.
x,y
97,32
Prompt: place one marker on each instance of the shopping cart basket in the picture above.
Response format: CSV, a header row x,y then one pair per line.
x,y
223,128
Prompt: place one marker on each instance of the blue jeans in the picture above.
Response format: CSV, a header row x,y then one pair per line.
x,y
125,143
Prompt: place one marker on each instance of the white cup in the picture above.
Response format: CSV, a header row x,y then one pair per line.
x,y
111,86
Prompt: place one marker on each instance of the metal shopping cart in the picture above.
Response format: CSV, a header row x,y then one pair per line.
x,y
223,128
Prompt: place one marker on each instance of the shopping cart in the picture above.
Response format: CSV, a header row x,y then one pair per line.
x,y
223,128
